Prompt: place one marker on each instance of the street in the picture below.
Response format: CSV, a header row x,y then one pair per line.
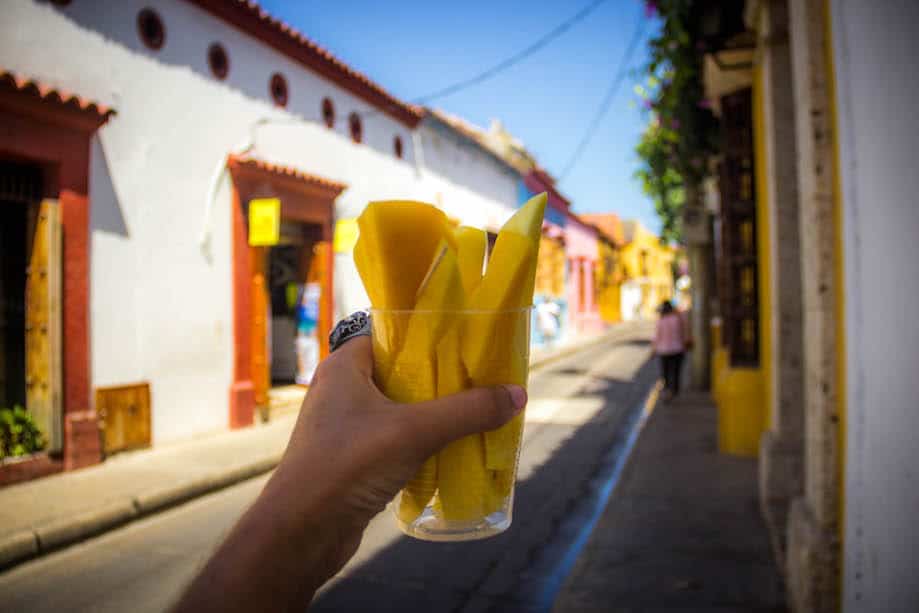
x,y
579,406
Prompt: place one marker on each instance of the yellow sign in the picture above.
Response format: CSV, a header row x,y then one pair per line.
x,y
345,235
264,221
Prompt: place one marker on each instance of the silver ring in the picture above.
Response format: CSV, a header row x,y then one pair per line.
x,y
355,324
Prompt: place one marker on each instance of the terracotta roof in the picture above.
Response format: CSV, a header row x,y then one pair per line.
x,y
609,224
11,81
251,18
251,163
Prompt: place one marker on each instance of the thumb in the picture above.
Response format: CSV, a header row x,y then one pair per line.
x,y
477,410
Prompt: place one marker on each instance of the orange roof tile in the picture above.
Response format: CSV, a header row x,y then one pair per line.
x,y
252,163
609,224
251,18
12,81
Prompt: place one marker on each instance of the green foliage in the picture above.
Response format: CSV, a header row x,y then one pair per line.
x,y
19,434
682,131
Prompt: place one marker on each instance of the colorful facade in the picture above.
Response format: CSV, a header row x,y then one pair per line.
x,y
813,367
551,323
648,272
609,272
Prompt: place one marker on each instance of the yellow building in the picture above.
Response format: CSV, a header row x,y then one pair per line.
x,y
815,355
609,273
647,266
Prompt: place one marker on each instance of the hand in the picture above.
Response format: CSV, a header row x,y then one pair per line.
x,y
357,448
351,451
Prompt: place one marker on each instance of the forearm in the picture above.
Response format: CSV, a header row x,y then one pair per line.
x,y
275,558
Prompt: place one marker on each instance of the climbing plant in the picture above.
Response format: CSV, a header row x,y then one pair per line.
x,y
681,130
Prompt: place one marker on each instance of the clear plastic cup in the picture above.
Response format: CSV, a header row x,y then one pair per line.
x,y
466,491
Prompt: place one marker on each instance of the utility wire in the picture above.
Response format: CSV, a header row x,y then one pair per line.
x,y
514,59
503,64
620,75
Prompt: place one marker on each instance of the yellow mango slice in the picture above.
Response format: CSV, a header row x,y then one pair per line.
x,y
470,251
500,484
413,375
493,348
462,482
397,242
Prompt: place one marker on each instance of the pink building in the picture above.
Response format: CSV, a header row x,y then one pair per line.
x,y
582,253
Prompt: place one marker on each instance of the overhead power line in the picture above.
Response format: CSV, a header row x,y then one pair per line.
x,y
512,60
620,75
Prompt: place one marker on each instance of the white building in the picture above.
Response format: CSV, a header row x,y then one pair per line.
x,y
165,305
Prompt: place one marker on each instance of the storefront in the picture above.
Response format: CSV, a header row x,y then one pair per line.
x,y
282,287
44,285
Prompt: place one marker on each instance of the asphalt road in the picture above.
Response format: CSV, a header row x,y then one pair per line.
x,y
579,406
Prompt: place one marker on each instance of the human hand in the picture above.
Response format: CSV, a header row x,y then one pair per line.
x,y
351,451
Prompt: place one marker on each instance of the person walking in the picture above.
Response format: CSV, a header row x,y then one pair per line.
x,y
671,340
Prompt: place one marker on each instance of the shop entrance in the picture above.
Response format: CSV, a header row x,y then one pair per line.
x,y
12,304
287,288
282,292
30,298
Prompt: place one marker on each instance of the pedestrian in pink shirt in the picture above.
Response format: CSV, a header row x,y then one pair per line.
x,y
671,340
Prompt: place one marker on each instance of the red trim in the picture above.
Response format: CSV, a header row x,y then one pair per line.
x,y
53,129
538,180
59,104
252,19
305,198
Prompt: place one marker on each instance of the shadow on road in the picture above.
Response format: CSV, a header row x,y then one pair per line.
x,y
513,571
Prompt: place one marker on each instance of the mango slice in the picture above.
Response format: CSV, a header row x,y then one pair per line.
x,y
470,250
462,481
493,349
413,375
500,484
397,242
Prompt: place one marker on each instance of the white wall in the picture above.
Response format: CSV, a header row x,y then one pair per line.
x,y
874,47
161,309
462,178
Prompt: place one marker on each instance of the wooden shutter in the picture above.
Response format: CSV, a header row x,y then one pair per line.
x,y
739,283
124,413
43,322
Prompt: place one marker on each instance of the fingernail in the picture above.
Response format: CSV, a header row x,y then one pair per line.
x,y
518,396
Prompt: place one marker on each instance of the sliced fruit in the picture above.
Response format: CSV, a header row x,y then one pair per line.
x,y
470,249
494,347
500,484
413,376
462,482
397,242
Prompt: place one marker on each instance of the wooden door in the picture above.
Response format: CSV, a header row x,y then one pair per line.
x,y
261,367
43,321
319,271
124,417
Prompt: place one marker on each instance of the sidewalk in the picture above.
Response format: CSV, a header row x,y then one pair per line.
x,y
682,529
42,515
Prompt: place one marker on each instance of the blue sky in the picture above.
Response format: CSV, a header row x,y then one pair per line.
x,y
414,47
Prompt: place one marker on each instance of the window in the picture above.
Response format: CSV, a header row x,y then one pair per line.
x,y
150,28
738,289
357,130
278,89
397,146
218,61
328,112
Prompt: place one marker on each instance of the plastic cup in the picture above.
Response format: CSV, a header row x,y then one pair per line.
x,y
466,491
